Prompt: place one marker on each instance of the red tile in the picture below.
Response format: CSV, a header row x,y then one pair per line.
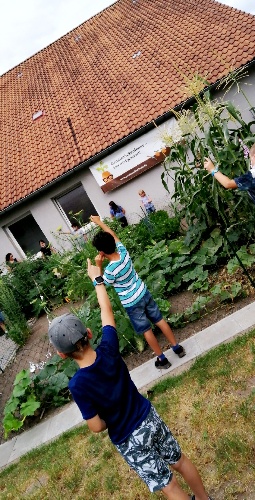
x,y
107,94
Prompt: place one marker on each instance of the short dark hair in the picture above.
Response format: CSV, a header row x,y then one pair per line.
x,y
104,242
42,241
7,257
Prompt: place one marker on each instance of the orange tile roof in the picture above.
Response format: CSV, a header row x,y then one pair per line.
x,y
107,78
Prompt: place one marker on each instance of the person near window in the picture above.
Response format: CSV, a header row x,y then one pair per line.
x,y
46,249
10,261
78,231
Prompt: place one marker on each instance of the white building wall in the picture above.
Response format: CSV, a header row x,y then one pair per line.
x,y
49,217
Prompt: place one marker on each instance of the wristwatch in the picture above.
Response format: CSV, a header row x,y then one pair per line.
x,y
99,280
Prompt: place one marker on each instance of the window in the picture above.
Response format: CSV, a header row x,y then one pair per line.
x,y
76,201
27,233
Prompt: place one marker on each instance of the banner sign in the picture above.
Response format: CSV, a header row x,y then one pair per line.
x,y
131,160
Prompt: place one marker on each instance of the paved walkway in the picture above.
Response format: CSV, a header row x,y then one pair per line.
x,y
8,349
143,376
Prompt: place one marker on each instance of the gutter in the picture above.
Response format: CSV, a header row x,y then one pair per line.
x,y
122,142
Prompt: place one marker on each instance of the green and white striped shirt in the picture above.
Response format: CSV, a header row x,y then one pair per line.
x,y
122,275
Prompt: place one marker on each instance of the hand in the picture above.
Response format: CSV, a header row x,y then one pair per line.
x,y
99,261
208,165
96,219
93,271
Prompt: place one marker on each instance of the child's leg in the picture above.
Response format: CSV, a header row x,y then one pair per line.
x,y
173,491
166,330
190,474
162,361
152,341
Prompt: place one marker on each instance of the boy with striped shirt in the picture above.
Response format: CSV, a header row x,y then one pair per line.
x,y
132,291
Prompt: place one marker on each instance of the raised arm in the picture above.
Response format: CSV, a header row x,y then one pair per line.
x,y
96,219
107,316
224,180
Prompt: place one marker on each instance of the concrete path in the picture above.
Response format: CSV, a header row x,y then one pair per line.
x,y
143,376
8,349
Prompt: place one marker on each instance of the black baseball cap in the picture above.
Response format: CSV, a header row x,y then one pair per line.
x,y
65,331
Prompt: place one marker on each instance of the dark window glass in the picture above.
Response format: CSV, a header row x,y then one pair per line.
x,y
27,233
76,200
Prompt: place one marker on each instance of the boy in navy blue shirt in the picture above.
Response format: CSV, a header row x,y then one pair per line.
x,y
108,399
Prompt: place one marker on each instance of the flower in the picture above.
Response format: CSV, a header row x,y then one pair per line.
x,y
170,137
186,121
194,85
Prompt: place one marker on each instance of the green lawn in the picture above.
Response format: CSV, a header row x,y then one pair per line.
x,y
210,409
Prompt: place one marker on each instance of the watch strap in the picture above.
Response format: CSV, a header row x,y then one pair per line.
x,y
216,169
95,282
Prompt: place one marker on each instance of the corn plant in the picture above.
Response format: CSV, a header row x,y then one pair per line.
x,y
217,130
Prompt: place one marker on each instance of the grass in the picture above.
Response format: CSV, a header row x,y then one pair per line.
x,y
210,409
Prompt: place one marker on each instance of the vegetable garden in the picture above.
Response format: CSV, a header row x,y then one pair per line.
x,y
210,229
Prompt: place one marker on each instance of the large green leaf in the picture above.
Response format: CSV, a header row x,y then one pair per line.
x,y
11,405
59,381
10,423
23,376
194,274
29,407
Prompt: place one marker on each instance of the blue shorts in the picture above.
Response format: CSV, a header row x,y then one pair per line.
x,y
150,449
2,318
150,210
144,313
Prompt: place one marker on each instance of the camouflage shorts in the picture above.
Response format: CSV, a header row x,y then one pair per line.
x,y
150,449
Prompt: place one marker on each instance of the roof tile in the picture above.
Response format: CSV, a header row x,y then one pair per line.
x,y
110,76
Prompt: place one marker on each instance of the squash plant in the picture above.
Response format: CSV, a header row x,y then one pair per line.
x,y
42,390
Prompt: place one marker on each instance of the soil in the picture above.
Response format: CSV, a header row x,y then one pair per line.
x,y
37,348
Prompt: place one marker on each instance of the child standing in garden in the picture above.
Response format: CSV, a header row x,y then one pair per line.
x,y
108,399
245,182
146,202
118,212
132,291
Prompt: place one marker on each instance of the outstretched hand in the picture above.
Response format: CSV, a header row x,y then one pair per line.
x,y
99,260
96,219
208,165
93,271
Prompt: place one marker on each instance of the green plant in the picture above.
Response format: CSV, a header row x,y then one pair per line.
x,y
15,320
42,390
89,314
150,229
214,129
164,227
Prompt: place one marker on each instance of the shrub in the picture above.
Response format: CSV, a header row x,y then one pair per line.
x,y
15,320
42,390
152,228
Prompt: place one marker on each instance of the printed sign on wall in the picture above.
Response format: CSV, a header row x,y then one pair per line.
x,y
131,160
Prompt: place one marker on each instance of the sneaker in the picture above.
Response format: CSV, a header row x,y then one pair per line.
x,y
194,498
180,352
164,364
